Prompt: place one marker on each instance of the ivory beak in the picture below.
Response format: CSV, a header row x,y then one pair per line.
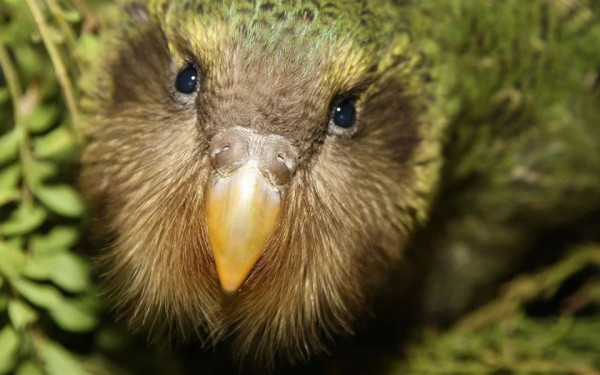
x,y
242,213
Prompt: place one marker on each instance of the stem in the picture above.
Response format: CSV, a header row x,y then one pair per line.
x,y
66,29
19,112
36,336
90,20
57,63
12,79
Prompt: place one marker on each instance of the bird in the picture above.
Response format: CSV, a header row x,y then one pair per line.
x,y
260,169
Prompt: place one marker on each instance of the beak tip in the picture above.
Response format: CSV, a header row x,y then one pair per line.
x,y
228,291
230,285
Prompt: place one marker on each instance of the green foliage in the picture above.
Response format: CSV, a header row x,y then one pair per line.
x,y
502,337
46,285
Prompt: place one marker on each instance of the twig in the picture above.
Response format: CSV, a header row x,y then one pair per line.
x,y
59,16
16,93
90,20
59,67
12,78
527,288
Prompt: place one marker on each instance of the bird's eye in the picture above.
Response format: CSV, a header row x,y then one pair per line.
x,y
344,114
187,80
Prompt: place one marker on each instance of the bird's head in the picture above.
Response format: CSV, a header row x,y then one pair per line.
x,y
258,166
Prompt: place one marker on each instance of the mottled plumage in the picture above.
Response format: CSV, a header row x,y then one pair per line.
x,y
470,131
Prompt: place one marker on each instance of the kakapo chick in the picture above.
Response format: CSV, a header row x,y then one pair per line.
x,y
260,166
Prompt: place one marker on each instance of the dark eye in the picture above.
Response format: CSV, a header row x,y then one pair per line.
x,y
344,114
187,80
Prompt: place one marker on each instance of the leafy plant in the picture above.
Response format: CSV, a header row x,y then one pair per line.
x,y
46,286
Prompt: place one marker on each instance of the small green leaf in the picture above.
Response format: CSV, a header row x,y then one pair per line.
x,y
70,315
29,368
72,16
70,272
65,269
73,317
62,199
37,267
59,238
25,219
12,261
87,46
9,179
36,172
10,195
18,242
21,314
26,57
9,176
40,295
42,118
59,361
9,344
55,144
9,146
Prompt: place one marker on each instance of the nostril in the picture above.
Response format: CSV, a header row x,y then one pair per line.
x,y
278,160
228,151
282,159
219,150
285,160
